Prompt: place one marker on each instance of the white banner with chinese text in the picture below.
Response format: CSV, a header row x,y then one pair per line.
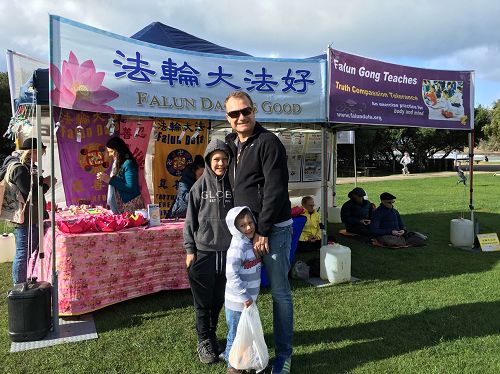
x,y
98,71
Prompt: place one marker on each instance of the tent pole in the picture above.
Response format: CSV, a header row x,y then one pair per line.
x,y
55,281
355,163
471,179
40,207
324,183
471,154
334,178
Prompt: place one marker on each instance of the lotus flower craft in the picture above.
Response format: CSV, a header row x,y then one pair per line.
x,y
80,87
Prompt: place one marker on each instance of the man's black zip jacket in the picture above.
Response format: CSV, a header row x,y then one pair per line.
x,y
260,177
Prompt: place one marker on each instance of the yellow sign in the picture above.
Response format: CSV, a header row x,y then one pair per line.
x,y
177,142
489,242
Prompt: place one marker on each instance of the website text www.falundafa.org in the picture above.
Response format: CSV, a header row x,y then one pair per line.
x,y
359,116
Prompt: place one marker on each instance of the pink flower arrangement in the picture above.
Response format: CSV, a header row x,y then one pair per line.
x,y
80,87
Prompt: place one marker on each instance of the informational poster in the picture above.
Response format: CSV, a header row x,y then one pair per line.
x,y
366,91
81,140
311,170
313,143
304,152
294,142
294,163
177,142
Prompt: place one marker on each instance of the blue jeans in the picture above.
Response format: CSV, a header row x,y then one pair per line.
x,y
232,319
23,241
277,264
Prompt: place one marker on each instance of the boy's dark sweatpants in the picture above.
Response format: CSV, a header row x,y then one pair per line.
x,y
207,277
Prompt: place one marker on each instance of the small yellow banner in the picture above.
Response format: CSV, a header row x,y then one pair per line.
x,y
489,242
177,142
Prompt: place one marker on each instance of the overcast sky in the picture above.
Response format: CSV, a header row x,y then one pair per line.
x,y
439,34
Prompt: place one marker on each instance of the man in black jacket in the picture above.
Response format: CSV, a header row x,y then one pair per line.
x,y
259,176
356,213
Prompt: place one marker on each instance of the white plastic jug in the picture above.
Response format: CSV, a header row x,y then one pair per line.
x,y
7,248
334,214
462,232
335,263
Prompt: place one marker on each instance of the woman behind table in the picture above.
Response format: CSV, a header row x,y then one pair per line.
x,y
190,174
24,175
124,193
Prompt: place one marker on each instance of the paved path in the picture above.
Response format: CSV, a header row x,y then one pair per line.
x,y
440,174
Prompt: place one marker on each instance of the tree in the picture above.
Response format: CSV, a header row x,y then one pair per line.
x,y
383,147
482,117
492,130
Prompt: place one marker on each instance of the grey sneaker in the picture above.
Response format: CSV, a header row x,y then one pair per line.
x,y
206,353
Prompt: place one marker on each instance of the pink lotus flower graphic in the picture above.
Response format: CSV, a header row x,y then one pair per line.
x,y
80,87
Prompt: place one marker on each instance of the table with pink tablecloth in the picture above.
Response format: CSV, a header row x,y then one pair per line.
x,y
100,269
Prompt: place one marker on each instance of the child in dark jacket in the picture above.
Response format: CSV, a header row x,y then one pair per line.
x,y
189,175
206,240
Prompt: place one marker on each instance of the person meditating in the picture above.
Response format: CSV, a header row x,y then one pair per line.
x,y
356,213
388,227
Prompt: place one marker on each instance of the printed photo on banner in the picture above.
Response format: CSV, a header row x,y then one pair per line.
x,y
81,141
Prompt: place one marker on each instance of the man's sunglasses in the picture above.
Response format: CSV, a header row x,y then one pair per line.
x,y
236,113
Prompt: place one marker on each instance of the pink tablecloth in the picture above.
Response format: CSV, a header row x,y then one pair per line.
x,y
100,269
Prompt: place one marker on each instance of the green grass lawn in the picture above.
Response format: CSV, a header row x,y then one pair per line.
x,y
433,309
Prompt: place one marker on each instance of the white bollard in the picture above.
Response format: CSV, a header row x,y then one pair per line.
x,y
7,247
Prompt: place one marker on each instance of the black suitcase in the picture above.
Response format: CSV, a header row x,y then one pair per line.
x,y
29,306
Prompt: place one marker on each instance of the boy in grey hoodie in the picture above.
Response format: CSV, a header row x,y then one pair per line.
x,y
242,272
206,240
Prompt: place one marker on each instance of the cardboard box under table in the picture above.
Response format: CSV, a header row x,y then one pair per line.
x,y
101,269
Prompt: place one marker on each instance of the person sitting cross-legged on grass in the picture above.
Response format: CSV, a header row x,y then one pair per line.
x,y
356,212
388,227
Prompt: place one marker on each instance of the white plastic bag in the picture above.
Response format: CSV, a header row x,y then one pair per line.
x,y
249,349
